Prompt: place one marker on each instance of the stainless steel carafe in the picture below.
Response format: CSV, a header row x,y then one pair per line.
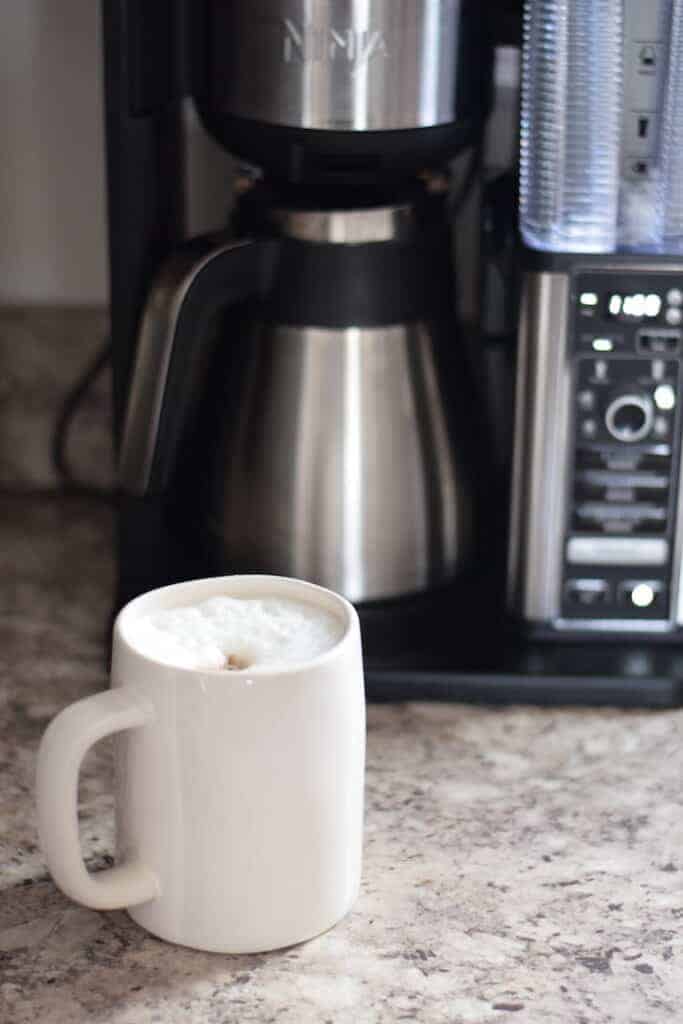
x,y
324,443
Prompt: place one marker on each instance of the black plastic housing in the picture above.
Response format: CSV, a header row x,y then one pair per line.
x,y
303,155
143,145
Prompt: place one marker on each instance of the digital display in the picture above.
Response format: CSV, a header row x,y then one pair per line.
x,y
638,306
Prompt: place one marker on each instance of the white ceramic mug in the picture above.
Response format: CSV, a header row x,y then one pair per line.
x,y
239,796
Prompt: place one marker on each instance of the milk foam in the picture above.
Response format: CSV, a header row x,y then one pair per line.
x,y
236,633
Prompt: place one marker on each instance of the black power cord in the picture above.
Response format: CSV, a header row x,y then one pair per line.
x,y
60,435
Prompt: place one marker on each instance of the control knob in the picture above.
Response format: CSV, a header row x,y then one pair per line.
x,y
629,417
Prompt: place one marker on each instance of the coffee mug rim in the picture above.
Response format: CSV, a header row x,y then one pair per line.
x,y
350,618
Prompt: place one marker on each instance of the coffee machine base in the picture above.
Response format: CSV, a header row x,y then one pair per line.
x,y
542,690
459,643
469,652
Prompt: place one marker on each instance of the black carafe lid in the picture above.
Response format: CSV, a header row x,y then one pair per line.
x,y
363,256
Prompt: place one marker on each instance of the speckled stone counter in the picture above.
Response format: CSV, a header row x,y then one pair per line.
x,y
521,865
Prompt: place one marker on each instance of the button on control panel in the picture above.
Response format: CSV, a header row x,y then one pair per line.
x,y
641,594
629,417
587,593
625,446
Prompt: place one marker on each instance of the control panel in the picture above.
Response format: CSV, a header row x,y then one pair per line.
x,y
620,530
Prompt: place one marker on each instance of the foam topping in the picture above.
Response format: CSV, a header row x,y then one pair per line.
x,y
233,633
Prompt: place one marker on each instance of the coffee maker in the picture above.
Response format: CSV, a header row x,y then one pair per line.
x,y
291,393
294,394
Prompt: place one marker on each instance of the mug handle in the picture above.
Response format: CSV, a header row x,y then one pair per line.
x,y
67,738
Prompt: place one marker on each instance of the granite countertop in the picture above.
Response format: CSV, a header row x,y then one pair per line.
x,y
521,865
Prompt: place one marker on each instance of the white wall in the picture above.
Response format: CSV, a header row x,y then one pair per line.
x,y
52,212
52,177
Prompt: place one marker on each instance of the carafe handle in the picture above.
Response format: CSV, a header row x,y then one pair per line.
x,y
200,280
